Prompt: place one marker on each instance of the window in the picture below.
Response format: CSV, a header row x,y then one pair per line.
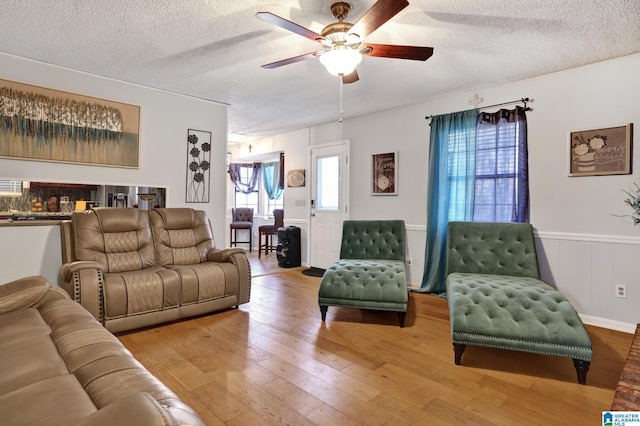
x,y
250,190
487,172
10,188
496,180
250,199
328,169
274,204
477,172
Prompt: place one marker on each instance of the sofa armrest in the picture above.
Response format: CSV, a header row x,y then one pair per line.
x,y
22,293
68,269
139,409
239,259
222,255
84,281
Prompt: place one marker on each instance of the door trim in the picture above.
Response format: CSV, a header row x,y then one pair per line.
x,y
346,144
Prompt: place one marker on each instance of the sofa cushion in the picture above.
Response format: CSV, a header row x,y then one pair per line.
x,y
22,323
57,400
138,409
119,239
30,356
206,281
129,293
182,236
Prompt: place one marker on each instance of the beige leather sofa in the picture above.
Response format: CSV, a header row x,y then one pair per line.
x,y
132,268
59,366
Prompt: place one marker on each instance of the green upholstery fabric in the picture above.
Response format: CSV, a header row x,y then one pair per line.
x,y
372,239
492,248
371,272
367,284
496,298
518,313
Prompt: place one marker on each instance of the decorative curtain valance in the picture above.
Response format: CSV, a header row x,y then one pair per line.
x,y
508,115
236,175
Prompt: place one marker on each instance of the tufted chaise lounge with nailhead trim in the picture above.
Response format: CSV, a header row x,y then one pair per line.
x,y
496,298
371,271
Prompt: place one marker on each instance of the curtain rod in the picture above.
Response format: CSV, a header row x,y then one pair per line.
x,y
523,100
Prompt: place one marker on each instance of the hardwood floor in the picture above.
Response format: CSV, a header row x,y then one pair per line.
x,y
273,361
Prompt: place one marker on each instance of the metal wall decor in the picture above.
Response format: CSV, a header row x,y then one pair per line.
x,y
198,166
50,125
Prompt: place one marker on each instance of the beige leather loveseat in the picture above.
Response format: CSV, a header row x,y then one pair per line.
x,y
59,366
132,268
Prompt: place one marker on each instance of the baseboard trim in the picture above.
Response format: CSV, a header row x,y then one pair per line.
x,y
608,323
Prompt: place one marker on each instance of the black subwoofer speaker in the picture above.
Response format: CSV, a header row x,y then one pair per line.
x,y
288,251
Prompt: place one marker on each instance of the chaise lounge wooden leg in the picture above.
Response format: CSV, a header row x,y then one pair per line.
x,y
401,317
581,368
458,350
323,312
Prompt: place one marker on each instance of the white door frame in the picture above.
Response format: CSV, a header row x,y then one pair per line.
x,y
330,239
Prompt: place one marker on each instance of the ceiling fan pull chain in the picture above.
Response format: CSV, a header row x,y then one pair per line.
x,y
341,110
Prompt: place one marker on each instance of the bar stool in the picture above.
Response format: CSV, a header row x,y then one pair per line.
x,y
269,231
241,218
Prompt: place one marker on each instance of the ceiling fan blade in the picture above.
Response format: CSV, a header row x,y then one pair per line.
x,y
398,52
292,60
350,78
377,15
288,25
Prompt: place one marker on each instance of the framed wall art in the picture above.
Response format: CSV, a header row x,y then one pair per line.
x,y
384,174
198,166
50,125
295,178
601,152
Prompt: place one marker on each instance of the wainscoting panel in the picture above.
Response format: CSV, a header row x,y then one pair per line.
x,y
586,269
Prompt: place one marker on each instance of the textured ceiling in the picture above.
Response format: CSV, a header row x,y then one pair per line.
x,y
213,49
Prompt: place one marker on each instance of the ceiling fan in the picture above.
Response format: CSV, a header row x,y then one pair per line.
x,y
343,42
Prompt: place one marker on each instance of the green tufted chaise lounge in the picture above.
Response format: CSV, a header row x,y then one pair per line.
x,y
371,271
496,298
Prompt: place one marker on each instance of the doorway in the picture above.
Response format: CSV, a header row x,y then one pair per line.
x,y
329,201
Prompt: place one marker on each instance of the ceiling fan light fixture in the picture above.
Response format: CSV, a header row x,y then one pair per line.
x,y
341,60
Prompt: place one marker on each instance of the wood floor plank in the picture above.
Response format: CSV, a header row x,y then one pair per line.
x,y
266,405
293,396
273,361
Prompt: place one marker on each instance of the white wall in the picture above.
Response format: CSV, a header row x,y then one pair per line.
x,y
579,211
164,121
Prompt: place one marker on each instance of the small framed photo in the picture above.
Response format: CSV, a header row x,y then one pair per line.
x,y
601,151
384,174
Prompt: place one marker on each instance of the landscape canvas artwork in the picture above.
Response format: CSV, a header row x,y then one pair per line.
x,y
43,124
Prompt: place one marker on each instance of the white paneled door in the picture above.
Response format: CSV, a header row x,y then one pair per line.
x,y
329,201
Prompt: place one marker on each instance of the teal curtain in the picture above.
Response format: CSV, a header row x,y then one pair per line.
x,y
271,180
450,190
